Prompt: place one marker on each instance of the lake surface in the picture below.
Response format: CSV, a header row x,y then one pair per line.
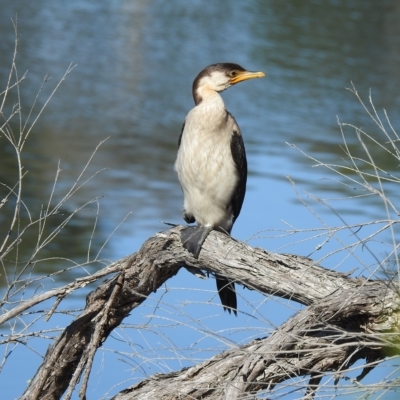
x,y
135,63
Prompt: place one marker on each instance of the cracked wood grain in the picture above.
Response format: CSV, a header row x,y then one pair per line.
x,y
340,325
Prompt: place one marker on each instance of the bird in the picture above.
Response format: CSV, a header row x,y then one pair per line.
x,y
211,164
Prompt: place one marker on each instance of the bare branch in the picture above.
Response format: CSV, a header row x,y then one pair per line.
x,y
342,320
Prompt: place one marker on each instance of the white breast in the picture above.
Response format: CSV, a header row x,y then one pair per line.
x,y
205,167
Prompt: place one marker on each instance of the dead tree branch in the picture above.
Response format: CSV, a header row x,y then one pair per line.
x,y
329,336
343,323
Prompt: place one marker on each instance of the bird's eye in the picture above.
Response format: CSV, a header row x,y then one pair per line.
x,y
233,74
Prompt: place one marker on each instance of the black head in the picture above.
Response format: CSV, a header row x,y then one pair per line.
x,y
221,76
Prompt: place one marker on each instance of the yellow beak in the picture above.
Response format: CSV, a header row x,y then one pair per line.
x,y
245,75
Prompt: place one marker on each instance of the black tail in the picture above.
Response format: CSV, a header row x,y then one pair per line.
x,y
227,294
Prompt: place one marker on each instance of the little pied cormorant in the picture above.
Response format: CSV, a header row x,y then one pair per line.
x,y
211,164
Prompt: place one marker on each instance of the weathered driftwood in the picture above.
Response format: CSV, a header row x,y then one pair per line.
x,y
344,322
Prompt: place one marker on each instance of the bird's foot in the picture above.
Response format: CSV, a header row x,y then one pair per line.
x,y
193,238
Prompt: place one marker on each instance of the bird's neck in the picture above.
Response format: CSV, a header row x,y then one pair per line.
x,y
206,95
210,113
211,104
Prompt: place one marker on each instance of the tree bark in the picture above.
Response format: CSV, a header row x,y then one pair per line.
x,y
329,336
344,322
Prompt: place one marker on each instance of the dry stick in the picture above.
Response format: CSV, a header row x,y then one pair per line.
x,y
12,68
62,291
98,336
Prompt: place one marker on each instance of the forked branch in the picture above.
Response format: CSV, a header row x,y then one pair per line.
x,y
344,322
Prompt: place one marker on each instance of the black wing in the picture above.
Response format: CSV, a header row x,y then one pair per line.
x,y
239,157
180,136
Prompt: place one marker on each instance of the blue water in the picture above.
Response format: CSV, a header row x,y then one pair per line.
x,y
135,63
